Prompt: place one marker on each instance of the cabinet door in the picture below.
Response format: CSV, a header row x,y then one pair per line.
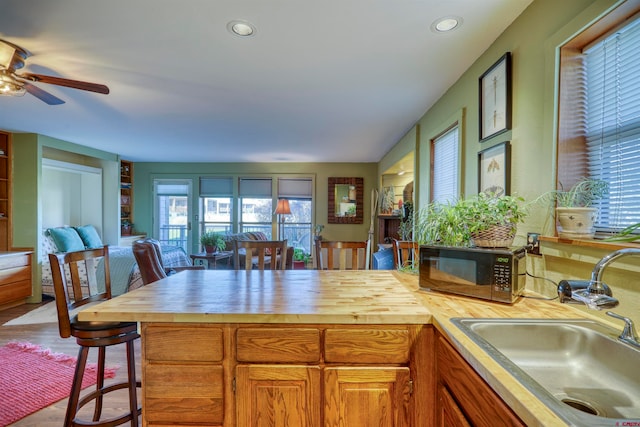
x,y
366,396
283,396
449,414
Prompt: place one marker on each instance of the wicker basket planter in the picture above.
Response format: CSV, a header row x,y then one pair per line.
x,y
498,236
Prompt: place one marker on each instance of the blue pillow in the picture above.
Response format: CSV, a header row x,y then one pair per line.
x,y
67,239
89,236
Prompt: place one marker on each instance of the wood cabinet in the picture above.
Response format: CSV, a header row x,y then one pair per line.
x,y
388,228
464,398
273,375
15,278
126,197
5,191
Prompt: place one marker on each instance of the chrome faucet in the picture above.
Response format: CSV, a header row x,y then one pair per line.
x,y
596,286
628,334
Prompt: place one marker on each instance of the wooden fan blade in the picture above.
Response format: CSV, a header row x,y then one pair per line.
x,y
75,84
42,95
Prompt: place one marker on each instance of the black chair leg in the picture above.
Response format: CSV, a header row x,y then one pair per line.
x,y
133,396
97,412
76,387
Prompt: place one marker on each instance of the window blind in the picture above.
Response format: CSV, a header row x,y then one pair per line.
x,y
612,125
216,186
255,187
295,188
444,187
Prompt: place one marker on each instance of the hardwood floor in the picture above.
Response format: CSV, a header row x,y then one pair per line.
x,y
46,335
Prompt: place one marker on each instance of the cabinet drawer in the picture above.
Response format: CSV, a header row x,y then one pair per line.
x,y
367,345
15,291
175,394
278,345
15,274
188,343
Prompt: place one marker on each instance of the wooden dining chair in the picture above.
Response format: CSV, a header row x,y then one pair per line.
x,y
100,335
263,254
148,255
350,255
405,253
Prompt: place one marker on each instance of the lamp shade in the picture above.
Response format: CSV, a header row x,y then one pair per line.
x,y
283,207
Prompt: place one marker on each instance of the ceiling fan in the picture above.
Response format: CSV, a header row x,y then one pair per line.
x,y
12,58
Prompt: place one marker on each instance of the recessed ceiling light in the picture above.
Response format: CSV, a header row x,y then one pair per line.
x,y
446,23
241,28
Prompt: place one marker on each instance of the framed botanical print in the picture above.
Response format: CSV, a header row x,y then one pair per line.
x,y
495,99
494,169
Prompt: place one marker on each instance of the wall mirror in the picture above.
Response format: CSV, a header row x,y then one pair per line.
x,y
345,204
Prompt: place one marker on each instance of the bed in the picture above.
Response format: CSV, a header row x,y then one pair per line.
x,y
125,275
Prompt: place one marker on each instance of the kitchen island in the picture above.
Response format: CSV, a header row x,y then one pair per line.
x,y
296,347
227,348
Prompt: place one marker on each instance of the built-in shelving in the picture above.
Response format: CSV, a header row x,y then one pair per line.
x,y
126,197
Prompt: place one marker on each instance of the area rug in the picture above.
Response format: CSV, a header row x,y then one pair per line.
x,y
32,378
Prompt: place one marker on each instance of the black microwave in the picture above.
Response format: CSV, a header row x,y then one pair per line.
x,y
491,274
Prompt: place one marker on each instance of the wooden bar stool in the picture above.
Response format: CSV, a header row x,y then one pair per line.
x,y
69,287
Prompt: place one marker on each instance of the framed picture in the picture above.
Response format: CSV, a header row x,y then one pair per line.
x,y
495,99
494,169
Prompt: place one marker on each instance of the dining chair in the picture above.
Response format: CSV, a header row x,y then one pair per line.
x,y
405,253
90,334
148,255
263,254
350,255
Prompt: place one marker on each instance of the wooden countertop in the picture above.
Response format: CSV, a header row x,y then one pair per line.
x,y
444,307
290,296
337,297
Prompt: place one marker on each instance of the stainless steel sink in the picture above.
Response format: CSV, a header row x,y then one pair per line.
x,y
578,368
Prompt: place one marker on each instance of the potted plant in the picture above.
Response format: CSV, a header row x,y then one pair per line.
x,y
484,220
300,259
212,241
317,231
126,227
574,209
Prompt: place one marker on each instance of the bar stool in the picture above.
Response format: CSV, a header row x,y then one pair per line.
x,y
69,286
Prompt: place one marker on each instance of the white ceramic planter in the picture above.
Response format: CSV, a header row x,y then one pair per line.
x,y
576,223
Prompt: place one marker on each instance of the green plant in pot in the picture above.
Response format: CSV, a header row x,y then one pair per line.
x,y
484,220
212,241
300,259
574,207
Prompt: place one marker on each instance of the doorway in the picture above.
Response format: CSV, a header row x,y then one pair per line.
x,y
172,216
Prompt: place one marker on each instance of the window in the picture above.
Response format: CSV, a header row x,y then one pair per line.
x,y
297,226
599,122
444,166
216,200
256,205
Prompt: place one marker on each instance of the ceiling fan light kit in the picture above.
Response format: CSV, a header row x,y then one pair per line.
x,y
12,58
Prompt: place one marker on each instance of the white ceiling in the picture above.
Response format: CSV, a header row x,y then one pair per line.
x,y
321,81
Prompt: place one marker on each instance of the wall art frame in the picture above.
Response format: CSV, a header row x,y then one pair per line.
x,y
495,99
494,169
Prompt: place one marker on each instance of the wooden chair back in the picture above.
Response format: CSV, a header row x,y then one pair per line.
x,y
66,271
148,255
405,253
264,254
356,252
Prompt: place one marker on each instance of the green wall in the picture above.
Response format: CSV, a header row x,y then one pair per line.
x,y
145,173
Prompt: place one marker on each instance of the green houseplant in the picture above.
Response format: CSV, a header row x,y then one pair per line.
x,y
483,220
574,207
212,241
300,259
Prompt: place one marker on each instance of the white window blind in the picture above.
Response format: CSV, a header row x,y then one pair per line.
x,y
613,124
444,187
295,188
255,187
216,186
